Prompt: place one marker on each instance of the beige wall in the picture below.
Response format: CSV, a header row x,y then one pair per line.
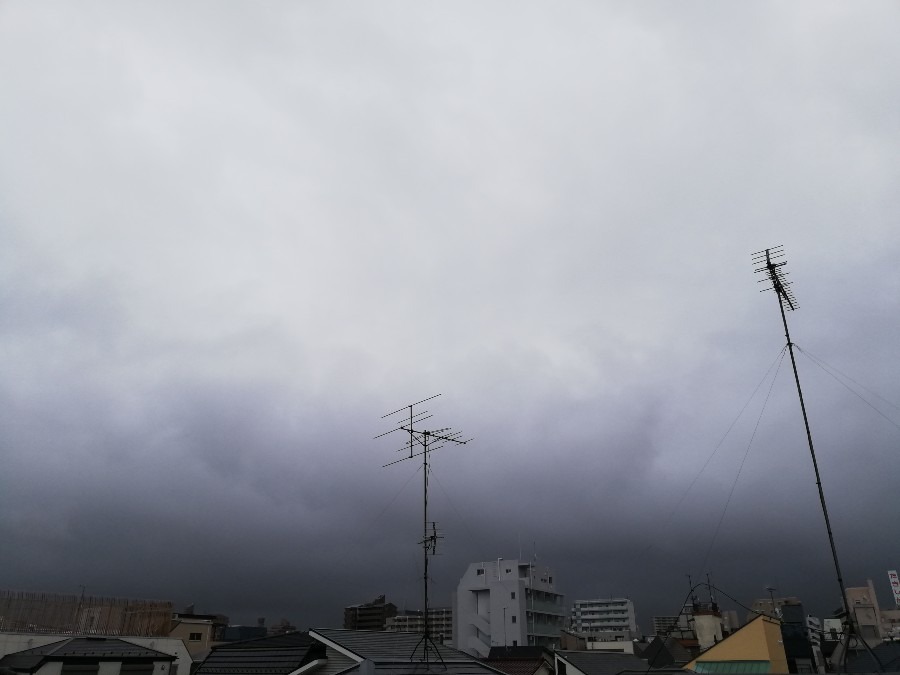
x,y
759,640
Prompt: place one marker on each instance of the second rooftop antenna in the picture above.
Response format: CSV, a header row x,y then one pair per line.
x,y
770,263
422,442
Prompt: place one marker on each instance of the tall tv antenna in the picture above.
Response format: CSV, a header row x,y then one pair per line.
x,y
770,263
421,443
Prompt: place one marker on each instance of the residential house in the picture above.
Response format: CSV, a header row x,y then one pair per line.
x,y
89,656
198,631
13,642
756,647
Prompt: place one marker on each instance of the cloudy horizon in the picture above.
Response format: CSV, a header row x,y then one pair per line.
x,y
235,235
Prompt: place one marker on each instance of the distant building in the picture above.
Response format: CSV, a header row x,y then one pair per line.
x,y
801,646
663,625
506,603
240,633
770,606
605,619
865,613
440,623
708,623
681,626
890,624
369,615
198,631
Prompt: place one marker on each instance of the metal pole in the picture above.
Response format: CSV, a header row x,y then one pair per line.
x,y
812,453
425,540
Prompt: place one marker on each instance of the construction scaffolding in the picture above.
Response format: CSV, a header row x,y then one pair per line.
x,y
30,612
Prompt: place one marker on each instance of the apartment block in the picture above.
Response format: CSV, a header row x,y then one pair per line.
x,y
506,603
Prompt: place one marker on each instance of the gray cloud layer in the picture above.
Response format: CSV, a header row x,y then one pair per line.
x,y
234,236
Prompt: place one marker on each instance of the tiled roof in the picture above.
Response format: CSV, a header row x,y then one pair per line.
x,y
660,653
524,652
297,640
515,666
275,655
385,653
887,653
101,648
471,667
603,663
79,649
385,646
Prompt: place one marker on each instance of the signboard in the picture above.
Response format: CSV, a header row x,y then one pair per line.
x,y
895,585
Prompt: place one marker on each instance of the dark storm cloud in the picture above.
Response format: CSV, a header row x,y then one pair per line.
x,y
234,238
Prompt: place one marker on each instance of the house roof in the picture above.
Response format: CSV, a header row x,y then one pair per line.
x,y
296,640
756,644
524,660
523,652
386,653
81,649
383,645
602,663
887,653
661,652
274,655
472,667
94,647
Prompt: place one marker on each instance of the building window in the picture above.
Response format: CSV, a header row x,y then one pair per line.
x,y
80,668
512,595
195,637
479,572
514,618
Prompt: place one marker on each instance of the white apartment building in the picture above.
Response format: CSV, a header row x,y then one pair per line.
x,y
610,619
506,603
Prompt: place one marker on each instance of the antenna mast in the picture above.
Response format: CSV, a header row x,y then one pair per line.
x,y
774,276
421,443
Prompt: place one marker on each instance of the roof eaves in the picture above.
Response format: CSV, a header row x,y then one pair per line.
x,y
306,667
334,645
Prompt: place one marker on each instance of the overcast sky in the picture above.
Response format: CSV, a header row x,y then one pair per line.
x,y
234,235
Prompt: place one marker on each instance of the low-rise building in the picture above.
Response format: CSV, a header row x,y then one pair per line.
x,y
198,631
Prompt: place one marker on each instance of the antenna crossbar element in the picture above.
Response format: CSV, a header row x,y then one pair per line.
x,y
421,443
773,274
